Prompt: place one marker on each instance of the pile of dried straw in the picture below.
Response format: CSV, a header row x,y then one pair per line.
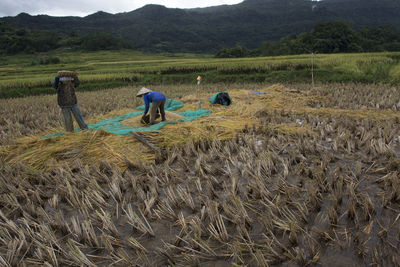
x,y
223,123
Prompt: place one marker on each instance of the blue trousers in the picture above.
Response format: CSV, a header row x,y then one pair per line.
x,y
67,114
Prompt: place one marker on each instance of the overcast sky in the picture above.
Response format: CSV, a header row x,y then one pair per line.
x,y
86,7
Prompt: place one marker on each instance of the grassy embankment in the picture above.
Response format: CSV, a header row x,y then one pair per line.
x,y
22,76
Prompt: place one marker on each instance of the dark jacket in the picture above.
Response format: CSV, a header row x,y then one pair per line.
x,y
66,90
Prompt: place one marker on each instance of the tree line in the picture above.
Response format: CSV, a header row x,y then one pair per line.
x,y
327,38
14,40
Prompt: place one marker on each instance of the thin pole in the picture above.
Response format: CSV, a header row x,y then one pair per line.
x,y
198,91
312,69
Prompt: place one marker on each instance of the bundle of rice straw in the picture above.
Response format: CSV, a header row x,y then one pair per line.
x,y
223,123
137,121
67,73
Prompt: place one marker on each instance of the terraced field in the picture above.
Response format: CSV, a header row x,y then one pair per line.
x,y
22,76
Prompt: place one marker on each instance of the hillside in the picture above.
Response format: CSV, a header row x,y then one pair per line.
x,y
157,28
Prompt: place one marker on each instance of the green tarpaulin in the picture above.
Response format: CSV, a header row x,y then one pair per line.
x,y
113,125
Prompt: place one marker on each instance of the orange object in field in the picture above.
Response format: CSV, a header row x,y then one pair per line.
x,y
199,78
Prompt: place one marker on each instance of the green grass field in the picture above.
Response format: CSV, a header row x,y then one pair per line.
x,y
23,75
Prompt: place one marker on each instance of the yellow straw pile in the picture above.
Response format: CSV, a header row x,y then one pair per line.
x,y
223,123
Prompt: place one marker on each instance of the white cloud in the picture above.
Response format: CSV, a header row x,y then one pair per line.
x,y
86,7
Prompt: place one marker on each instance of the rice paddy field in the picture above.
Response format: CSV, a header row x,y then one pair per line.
x,y
299,175
22,75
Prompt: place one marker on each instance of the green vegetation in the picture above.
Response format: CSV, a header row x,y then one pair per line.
x,y
326,37
156,28
15,40
109,69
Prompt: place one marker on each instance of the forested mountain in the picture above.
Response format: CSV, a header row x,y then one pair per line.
x,y
161,29
324,38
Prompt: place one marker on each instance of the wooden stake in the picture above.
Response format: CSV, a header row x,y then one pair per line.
x,y
198,90
312,69
145,142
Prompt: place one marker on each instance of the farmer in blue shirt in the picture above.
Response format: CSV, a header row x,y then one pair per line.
x,y
158,101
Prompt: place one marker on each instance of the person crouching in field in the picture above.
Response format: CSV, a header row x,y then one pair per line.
x,y
158,101
65,82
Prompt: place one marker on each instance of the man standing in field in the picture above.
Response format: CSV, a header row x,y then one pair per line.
x,y
158,101
65,82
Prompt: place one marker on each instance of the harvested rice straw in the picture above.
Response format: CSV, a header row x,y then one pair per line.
x,y
89,147
67,73
223,123
136,121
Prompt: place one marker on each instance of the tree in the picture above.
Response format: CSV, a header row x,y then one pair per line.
x,y
335,37
102,41
237,51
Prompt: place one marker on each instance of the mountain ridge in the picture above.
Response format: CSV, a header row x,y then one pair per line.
x,y
160,29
